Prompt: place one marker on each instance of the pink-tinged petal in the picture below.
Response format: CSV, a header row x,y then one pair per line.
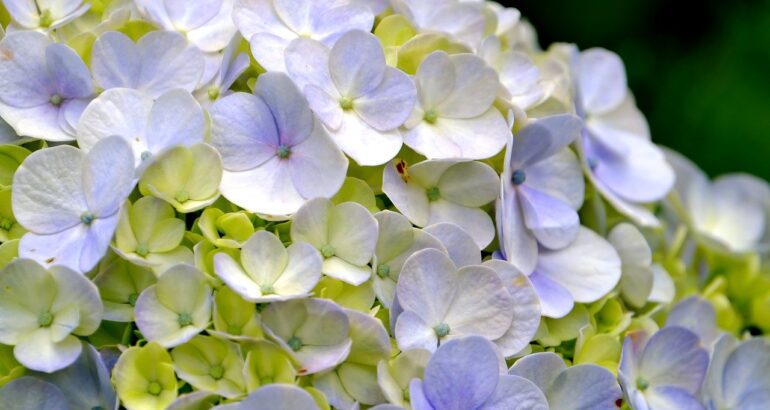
x,y
601,80
357,63
518,244
389,105
317,166
554,223
48,190
293,118
243,131
543,138
24,78
462,374
588,268
555,300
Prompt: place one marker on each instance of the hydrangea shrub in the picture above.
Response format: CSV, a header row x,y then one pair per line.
x,y
356,204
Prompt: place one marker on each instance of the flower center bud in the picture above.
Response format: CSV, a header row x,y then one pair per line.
x,y
56,99
45,18
267,289
327,251
87,218
6,224
266,380
234,330
295,343
346,103
132,299
642,384
45,319
283,152
216,372
518,177
442,329
433,194
184,319
383,271
213,93
142,250
405,393
145,155
430,117
592,163
182,197
154,388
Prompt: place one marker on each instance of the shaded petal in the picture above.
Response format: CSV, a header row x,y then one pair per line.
x,y
176,118
243,131
409,197
601,80
462,374
675,357
543,138
671,398
352,232
462,249
389,105
357,63
516,393
69,72
555,300
539,368
517,243
554,223
279,397
266,189
584,386
24,79
48,190
470,184
364,144
588,268
108,176
317,167
293,118
169,61
424,285
38,352
301,273
115,61
474,89
477,138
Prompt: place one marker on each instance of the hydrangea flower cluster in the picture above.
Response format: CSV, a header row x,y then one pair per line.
x,y
356,204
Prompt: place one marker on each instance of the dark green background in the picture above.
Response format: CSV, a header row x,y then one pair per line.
x,y
700,70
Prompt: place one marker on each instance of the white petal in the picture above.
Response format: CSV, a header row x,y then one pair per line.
x,y
559,176
115,61
474,91
357,63
413,333
175,119
364,144
476,138
460,245
601,80
235,278
108,176
278,197
48,190
318,167
169,61
345,271
388,106
589,267
39,352
302,272
425,286
409,197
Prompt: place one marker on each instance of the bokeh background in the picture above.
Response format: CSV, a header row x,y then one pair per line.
x,y
700,70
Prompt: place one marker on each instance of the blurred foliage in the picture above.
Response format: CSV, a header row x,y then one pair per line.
x,y
700,71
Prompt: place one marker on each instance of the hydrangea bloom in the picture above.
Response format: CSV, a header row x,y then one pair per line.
x,y
346,204
44,86
360,100
270,25
69,202
273,136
